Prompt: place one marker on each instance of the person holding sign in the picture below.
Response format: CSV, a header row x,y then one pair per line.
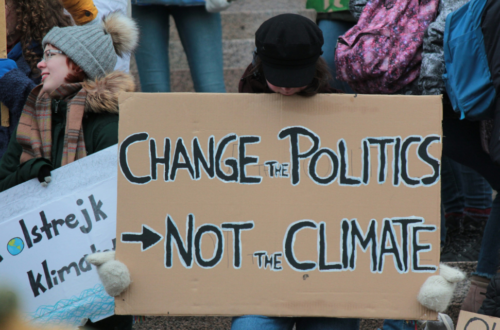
x,y
287,61
289,49
27,23
74,112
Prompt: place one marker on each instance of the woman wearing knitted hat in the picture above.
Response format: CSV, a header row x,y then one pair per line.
x,y
74,111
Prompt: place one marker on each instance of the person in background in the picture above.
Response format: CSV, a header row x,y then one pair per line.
x,y
491,303
462,142
74,111
82,11
105,7
27,23
466,198
201,37
333,24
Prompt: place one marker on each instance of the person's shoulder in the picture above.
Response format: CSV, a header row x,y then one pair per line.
x,y
102,94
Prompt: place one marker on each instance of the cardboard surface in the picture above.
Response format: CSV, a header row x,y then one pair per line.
x,y
473,321
365,170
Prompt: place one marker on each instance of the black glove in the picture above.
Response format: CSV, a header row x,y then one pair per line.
x,y
44,175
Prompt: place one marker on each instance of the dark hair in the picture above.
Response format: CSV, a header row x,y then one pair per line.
x,y
35,19
79,76
320,79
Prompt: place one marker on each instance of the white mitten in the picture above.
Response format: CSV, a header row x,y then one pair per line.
x,y
215,6
114,274
437,290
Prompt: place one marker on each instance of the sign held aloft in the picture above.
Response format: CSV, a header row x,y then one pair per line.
x,y
232,204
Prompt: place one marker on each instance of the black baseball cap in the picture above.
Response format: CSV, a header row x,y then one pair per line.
x,y
289,46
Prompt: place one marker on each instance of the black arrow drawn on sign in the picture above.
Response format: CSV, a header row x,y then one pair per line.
x,y
149,237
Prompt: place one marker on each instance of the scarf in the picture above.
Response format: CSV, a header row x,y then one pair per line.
x,y
34,132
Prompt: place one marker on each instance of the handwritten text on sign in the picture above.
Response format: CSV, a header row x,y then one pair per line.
x,y
352,236
211,164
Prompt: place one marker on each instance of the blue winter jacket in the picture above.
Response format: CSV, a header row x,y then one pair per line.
x,y
15,87
169,2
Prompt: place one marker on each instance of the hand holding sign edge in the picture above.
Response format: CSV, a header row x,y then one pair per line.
x,y
437,290
113,274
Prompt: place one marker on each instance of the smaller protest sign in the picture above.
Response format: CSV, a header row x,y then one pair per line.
x,y
45,234
325,6
473,321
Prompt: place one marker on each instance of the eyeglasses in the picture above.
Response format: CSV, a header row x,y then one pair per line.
x,y
49,53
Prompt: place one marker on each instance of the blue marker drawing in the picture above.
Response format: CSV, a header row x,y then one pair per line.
x,y
90,303
15,246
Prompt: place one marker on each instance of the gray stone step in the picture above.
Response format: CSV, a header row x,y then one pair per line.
x,y
236,54
243,24
224,323
181,81
256,5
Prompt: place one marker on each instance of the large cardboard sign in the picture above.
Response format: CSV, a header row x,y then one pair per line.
x,y
473,321
232,204
45,234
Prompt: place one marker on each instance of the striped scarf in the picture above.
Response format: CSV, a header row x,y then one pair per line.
x,y
34,132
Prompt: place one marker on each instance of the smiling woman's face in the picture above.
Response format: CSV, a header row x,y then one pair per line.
x,y
54,69
287,91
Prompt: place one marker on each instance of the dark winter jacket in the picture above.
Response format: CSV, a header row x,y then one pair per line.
x,y
100,129
430,80
356,7
491,304
491,32
256,83
15,87
344,15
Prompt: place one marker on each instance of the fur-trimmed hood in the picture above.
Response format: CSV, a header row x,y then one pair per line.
x,y
102,94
